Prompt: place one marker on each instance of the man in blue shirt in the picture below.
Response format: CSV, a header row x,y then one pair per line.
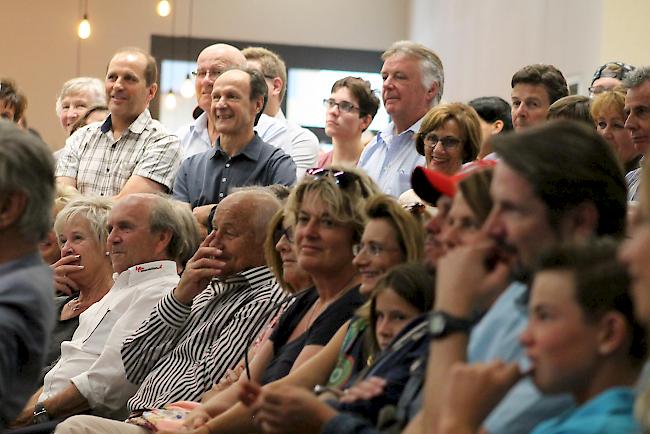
x,y
413,83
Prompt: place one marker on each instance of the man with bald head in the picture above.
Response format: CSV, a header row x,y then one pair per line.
x,y
203,327
240,157
129,152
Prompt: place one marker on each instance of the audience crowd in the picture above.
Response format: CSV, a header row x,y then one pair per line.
x,y
478,266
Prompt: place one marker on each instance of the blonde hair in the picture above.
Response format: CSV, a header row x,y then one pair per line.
x,y
346,205
609,100
93,209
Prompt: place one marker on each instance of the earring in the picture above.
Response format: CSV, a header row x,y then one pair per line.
x,y
107,253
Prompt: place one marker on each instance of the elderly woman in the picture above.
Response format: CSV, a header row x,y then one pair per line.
x,y
608,112
76,97
84,270
350,109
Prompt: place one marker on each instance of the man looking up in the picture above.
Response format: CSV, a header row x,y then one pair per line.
x,y
129,152
413,83
534,89
240,157
299,142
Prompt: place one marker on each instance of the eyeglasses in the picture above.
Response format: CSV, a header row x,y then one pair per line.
x,y
448,142
283,232
203,73
341,178
343,106
374,249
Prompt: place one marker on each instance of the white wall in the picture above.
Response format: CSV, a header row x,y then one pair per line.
x,y
482,43
39,43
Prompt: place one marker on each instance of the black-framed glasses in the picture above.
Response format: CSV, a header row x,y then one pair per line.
x,y
344,106
283,232
341,178
431,139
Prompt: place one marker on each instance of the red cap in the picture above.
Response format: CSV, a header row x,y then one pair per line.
x,y
430,184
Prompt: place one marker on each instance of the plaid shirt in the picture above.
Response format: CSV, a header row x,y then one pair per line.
x,y
102,165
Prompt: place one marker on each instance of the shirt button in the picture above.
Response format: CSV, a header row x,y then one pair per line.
x,y
227,164
220,194
107,170
223,179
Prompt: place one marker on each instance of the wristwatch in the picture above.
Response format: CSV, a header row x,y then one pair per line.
x,y
40,414
442,324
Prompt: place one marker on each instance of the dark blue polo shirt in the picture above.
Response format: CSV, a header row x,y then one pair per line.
x,y
208,177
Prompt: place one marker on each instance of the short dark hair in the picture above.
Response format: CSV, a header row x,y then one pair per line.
x,y
492,109
12,97
150,69
573,107
602,284
362,91
567,164
547,75
257,84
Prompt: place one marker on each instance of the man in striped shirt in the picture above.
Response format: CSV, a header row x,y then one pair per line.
x,y
202,328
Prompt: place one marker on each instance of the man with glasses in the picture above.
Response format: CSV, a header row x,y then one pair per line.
x,y
129,152
240,157
609,76
299,142
413,83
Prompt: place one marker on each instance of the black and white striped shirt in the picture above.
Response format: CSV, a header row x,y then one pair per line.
x,y
181,351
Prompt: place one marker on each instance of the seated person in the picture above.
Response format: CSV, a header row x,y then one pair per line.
x,y
572,107
12,102
143,243
84,272
582,338
495,118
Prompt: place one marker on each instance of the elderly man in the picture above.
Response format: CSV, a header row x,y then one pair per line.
x,y
224,298
129,152
534,89
145,238
637,107
26,308
240,157
413,83
300,143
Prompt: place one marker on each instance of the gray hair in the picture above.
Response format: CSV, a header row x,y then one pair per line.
x,y
94,209
93,86
637,77
27,166
430,64
167,214
190,238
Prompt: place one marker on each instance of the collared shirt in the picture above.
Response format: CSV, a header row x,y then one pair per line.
x,y
633,181
390,159
102,165
208,177
303,145
181,350
91,359
194,137
496,336
26,321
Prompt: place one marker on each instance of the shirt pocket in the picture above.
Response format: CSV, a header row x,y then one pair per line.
x,y
96,339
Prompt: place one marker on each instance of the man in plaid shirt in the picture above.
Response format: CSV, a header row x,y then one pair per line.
x,y
129,152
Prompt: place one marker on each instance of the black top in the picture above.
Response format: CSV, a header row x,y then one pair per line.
x,y
320,332
63,330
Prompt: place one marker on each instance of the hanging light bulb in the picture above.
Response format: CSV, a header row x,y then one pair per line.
x,y
187,87
163,8
170,100
84,28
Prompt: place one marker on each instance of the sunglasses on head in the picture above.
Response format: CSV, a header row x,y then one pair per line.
x,y
341,178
